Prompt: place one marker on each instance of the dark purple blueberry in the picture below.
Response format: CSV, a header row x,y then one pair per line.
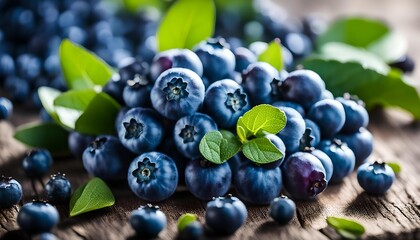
x,y
303,175
329,115
260,81
375,178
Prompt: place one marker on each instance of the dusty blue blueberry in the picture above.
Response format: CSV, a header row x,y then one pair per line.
x,y
6,108
282,209
329,115
37,217
148,221
37,163
10,192
58,189
360,142
375,178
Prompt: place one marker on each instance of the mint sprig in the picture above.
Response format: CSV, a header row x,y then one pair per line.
x,y
252,127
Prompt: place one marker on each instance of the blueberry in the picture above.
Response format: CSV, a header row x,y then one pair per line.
x,y
37,163
218,61
58,189
234,164
106,158
293,131
258,47
37,217
140,130
6,108
10,192
28,66
45,236
325,161
261,80
136,93
192,231
177,92
188,132
225,102
375,178
406,64
360,142
303,175
45,116
153,176
225,215
326,95
175,58
256,184
302,86
7,65
282,209
168,147
356,114
206,180
78,143
243,58
293,105
148,221
115,87
329,115
341,156
315,132
299,45
17,88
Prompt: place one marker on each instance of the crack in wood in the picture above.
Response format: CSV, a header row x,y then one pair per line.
x,y
79,234
300,218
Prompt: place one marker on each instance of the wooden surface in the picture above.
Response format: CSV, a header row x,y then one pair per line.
x,y
393,216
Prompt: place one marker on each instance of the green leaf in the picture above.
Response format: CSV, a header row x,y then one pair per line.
x,y
44,135
75,99
47,96
241,133
395,167
187,23
261,150
373,88
346,53
346,228
261,119
91,196
370,34
185,220
272,55
217,147
99,116
82,68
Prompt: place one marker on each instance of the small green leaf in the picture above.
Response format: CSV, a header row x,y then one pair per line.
x,y
346,228
261,119
395,167
136,5
273,55
81,68
373,35
373,88
44,135
217,147
241,133
187,23
47,96
99,116
185,220
261,150
75,99
91,196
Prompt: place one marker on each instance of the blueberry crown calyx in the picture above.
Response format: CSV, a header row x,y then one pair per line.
x,y
97,144
236,100
176,89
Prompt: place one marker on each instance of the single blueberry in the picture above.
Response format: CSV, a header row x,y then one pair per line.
x,y
282,209
37,217
58,189
375,178
37,163
148,221
10,192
